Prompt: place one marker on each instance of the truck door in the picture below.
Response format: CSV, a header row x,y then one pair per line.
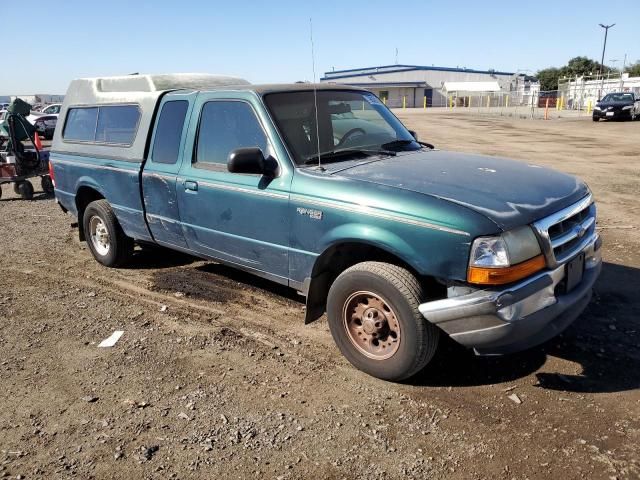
x,y
161,169
237,218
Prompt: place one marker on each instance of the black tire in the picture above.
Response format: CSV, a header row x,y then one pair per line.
x,y
47,185
595,119
15,188
401,291
25,190
120,247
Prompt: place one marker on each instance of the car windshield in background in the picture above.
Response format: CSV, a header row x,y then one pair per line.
x,y
349,123
618,97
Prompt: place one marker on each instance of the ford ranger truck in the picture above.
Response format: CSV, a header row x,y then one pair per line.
x,y
321,188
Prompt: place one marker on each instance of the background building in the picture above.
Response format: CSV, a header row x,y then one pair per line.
x,y
38,98
411,84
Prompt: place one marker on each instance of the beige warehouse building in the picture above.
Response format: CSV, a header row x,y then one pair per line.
x,y
412,84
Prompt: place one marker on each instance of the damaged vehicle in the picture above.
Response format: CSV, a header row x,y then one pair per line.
x,y
321,188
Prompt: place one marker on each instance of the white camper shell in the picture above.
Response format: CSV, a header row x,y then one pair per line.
x,y
142,91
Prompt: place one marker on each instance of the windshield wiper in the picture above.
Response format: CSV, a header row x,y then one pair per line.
x,y
403,142
338,155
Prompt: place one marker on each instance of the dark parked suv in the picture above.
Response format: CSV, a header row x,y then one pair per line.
x,y
617,106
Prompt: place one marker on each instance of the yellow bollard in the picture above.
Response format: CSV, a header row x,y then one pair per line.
x,y
404,101
488,101
450,101
384,100
589,107
424,102
506,101
469,101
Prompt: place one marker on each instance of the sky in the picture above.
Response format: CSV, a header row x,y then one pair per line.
x,y
46,44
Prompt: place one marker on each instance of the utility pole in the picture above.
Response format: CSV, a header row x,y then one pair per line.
x,y
604,47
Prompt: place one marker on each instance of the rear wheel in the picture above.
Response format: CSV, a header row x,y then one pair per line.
x,y
25,190
105,238
374,319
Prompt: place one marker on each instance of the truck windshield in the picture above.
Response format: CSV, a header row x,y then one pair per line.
x,y
349,123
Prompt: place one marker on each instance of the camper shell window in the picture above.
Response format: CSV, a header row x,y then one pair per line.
x,y
103,125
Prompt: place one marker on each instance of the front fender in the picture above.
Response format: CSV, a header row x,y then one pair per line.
x,y
373,235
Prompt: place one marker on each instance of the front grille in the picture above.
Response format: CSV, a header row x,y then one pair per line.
x,y
567,232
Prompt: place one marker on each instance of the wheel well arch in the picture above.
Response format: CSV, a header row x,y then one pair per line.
x,y
340,256
84,196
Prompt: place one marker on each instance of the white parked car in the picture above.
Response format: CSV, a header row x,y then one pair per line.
x,y
49,110
53,109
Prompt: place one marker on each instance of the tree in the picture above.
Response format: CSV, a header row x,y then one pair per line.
x,y
634,69
581,66
576,67
548,78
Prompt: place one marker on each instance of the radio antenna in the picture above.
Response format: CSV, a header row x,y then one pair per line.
x,y
315,93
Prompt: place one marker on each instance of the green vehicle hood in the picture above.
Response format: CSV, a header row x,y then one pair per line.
x,y
508,192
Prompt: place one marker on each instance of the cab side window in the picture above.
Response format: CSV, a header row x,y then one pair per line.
x,y
224,127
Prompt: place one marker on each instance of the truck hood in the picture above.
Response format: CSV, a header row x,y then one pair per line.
x,y
509,192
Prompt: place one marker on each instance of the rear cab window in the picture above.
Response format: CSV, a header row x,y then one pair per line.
x,y
105,125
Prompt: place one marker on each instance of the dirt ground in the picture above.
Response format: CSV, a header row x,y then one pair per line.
x,y
217,377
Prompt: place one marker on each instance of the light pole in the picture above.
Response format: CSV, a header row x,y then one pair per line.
x,y
604,47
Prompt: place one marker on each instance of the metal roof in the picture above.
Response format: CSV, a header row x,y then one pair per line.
x,y
358,72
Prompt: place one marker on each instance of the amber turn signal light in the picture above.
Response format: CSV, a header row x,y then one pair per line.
x,y
502,275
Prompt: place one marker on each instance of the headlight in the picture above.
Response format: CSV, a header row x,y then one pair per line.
x,y
596,107
505,258
628,107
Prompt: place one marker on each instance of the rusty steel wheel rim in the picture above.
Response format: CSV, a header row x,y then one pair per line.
x,y
371,325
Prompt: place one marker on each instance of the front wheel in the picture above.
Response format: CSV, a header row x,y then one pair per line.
x,y
107,242
595,119
374,319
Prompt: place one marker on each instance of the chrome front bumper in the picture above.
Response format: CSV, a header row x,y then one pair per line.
x,y
517,317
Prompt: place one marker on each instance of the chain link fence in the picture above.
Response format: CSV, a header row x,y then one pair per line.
x,y
574,97
535,104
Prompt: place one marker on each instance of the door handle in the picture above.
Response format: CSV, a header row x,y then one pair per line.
x,y
190,185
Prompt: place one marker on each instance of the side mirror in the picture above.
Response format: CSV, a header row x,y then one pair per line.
x,y
414,134
249,161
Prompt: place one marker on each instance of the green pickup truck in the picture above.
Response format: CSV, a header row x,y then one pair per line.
x,y
321,188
